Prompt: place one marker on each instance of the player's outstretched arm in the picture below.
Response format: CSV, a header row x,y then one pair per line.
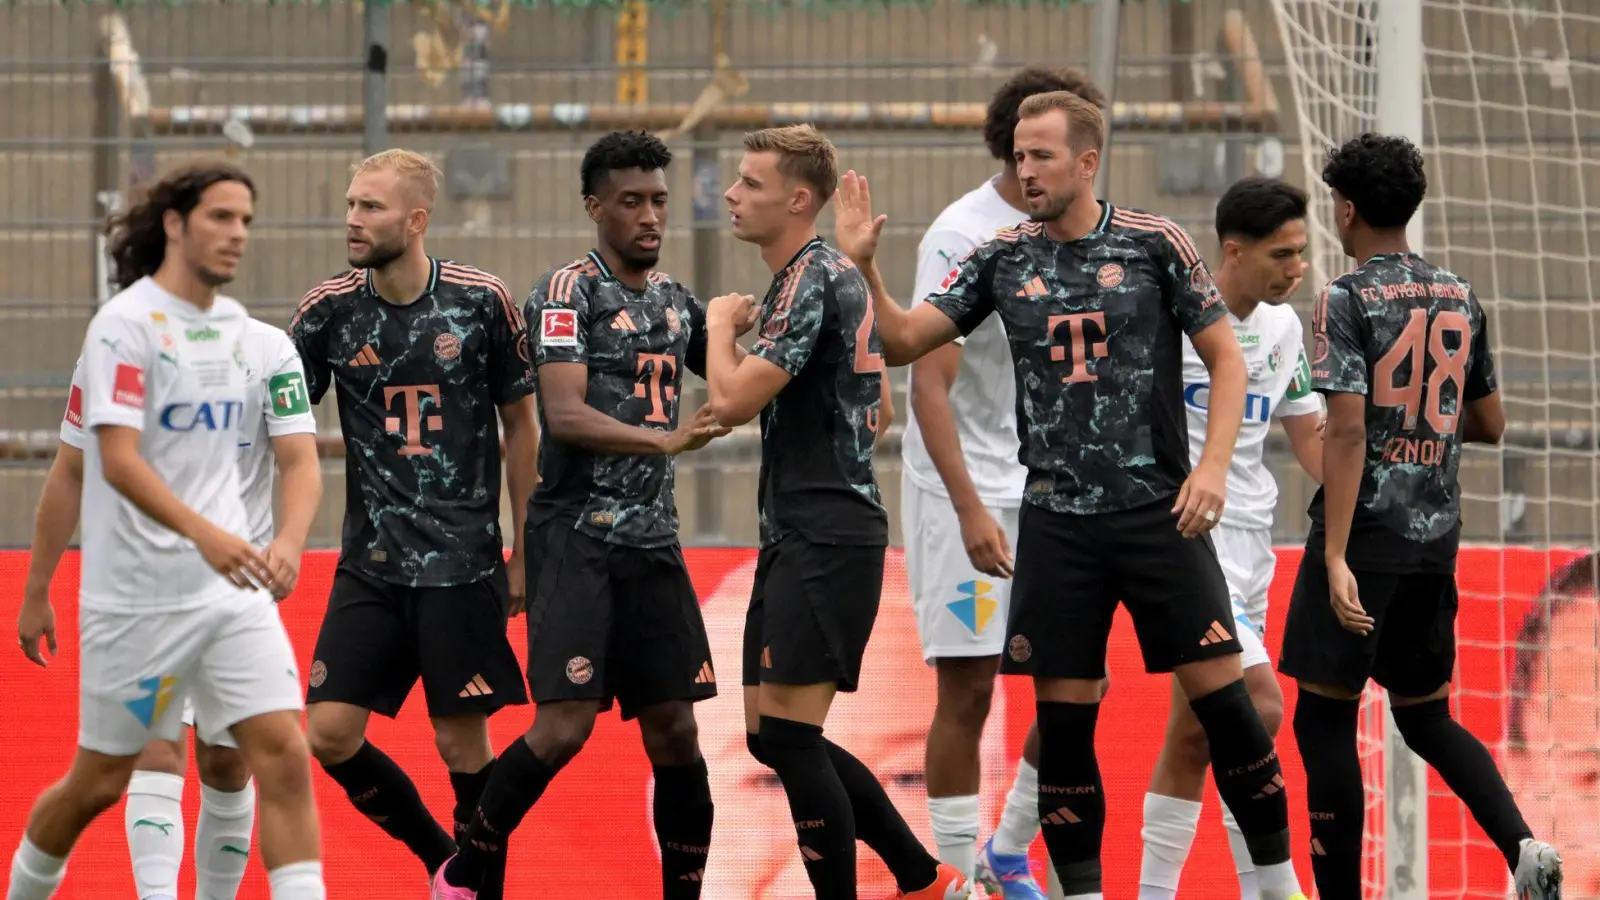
x,y
53,523
300,474
907,335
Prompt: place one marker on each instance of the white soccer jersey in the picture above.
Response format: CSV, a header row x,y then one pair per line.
x,y
1280,385
983,399
175,373
275,404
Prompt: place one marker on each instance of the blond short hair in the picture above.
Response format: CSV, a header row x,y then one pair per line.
x,y
419,172
1086,125
804,153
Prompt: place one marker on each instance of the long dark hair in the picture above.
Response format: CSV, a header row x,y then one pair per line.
x,y
138,237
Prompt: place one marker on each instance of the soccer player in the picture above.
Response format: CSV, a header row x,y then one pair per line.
x,y
1402,354
612,612
1095,301
1261,224
424,353
960,488
276,424
172,606
816,378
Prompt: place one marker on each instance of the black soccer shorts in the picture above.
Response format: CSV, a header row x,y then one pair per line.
x,y
1073,570
1411,650
378,638
607,621
811,613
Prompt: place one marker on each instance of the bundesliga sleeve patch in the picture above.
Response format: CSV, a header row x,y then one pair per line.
x,y
558,328
127,389
75,407
288,393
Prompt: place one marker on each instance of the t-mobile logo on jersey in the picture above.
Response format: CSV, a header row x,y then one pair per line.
x,y
413,423
1082,346
658,366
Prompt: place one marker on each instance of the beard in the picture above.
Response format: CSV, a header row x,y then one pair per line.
x,y
378,254
1054,208
212,278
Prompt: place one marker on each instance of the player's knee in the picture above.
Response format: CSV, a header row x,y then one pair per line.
x,y
965,702
672,738
1267,697
161,756
1187,741
332,742
221,768
462,742
96,784
560,730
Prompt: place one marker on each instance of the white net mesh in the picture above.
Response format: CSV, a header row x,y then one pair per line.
x,y
1511,125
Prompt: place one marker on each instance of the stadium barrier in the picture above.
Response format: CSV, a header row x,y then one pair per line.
x,y
593,826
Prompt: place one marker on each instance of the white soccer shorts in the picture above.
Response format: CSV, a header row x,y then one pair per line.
x,y
231,658
1248,564
961,612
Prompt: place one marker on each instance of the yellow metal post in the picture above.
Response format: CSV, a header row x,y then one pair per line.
x,y
633,50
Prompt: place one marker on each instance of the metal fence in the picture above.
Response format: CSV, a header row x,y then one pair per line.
x,y
507,98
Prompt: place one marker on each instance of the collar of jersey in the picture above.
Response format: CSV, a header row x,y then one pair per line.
x,y
433,282
183,309
1105,217
815,242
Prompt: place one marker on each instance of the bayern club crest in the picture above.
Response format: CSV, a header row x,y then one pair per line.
x,y
1109,276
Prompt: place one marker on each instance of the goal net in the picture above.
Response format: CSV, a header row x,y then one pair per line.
x,y
1508,115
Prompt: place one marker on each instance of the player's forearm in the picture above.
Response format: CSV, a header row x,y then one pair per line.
x,y
931,404
522,473
1306,443
1343,455
576,422
885,410
301,476
1225,409
53,524
894,324
129,475
723,362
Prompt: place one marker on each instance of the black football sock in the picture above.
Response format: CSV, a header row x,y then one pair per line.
x,y
468,788
515,785
1466,766
823,820
384,793
683,814
1244,763
1072,798
880,826
1325,732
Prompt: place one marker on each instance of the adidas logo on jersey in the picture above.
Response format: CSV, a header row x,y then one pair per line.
x,y
623,322
1034,288
367,357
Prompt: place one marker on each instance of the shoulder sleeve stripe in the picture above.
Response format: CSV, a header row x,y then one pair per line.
x,y
329,288
456,274
1176,236
791,287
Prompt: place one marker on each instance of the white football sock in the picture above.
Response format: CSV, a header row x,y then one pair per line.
x,y
153,820
222,841
1277,882
35,874
1241,857
955,831
1019,823
298,881
1168,833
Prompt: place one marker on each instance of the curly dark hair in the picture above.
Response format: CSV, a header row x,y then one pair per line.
x,y
1382,175
621,150
1569,587
1255,207
1000,125
138,234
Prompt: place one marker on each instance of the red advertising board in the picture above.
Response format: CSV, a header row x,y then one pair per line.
x,y
591,832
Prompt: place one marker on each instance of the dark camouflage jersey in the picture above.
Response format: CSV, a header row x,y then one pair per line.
x,y
1095,327
636,345
1412,338
418,388
817,435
